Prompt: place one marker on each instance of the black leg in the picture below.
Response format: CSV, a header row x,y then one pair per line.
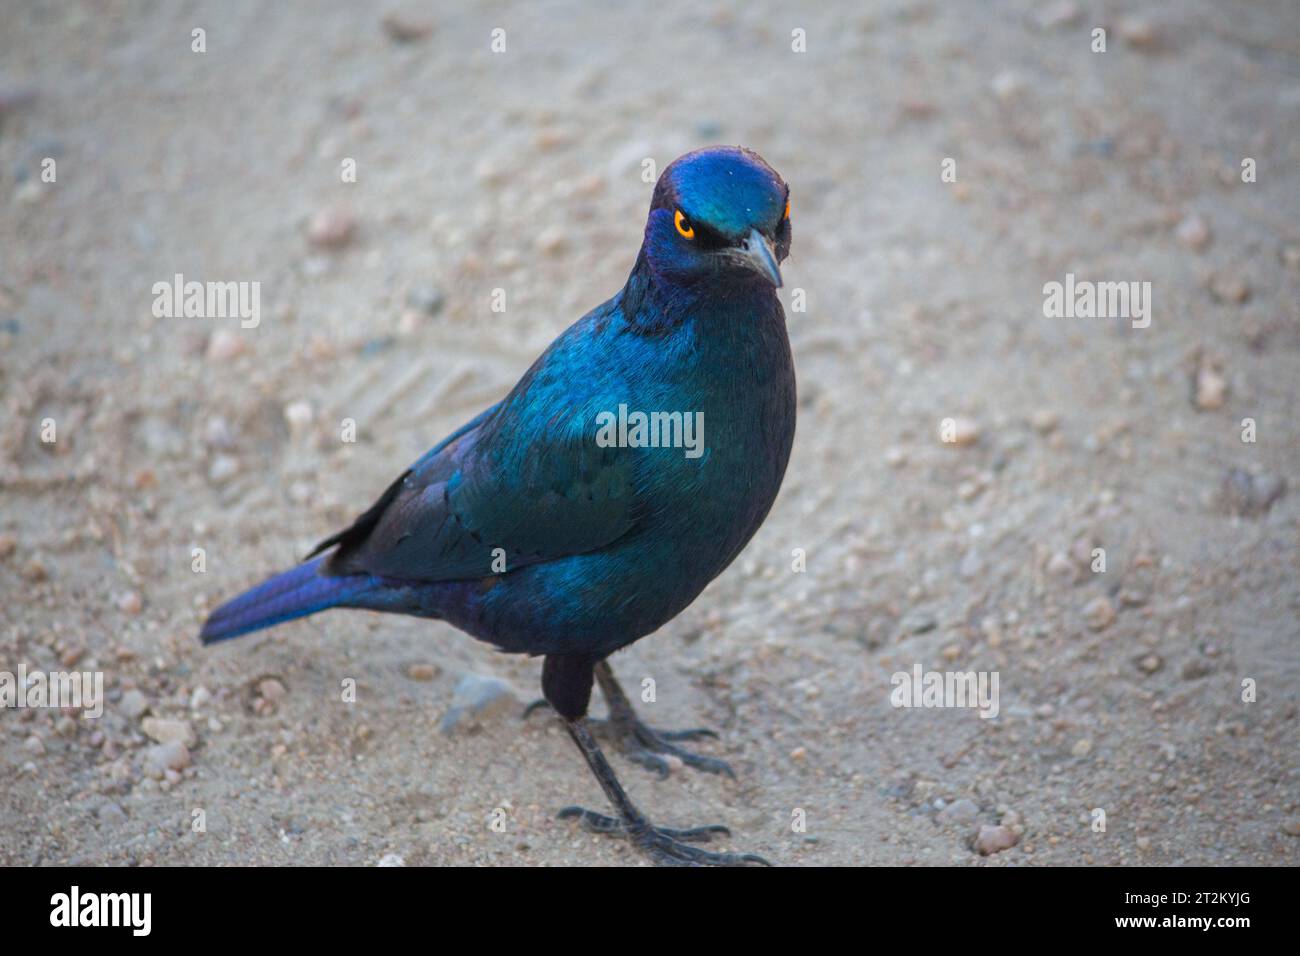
x,y
567,682
639,742
664,845
644,744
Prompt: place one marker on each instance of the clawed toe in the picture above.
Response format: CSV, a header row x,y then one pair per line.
x,y
691,733
651,748
657,760
667,846
594,822
540,703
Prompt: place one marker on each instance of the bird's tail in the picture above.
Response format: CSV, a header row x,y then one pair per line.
x,y
298,592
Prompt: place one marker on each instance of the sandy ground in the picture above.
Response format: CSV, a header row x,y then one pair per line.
x,y
1119,691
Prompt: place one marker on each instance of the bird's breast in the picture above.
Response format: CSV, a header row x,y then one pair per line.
x,y
737,392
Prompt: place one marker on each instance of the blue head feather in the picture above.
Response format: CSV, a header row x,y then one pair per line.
x,y
729,189
726,193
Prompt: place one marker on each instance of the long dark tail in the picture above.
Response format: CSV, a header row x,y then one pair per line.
x,y
295,593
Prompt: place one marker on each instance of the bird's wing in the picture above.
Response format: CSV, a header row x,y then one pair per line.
x,y
526,477
357,532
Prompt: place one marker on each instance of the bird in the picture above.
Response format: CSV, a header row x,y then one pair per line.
x,y
556,523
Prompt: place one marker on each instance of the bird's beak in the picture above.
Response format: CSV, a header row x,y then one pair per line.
x,y
757,253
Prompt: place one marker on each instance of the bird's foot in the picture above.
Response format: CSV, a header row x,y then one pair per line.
x,y
649,746
666,846
652,748
540,703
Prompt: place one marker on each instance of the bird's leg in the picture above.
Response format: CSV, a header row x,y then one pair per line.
x,y
642,743
566,682
664,845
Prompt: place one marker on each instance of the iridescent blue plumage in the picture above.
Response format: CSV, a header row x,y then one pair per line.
x,y
728,191
600,545
523,529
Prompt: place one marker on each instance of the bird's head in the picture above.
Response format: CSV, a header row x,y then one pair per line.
x,y
720,212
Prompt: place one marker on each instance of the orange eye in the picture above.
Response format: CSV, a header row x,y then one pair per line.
x,y
683,225
787,209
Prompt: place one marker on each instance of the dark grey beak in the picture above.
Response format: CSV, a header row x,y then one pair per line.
x,y
757,253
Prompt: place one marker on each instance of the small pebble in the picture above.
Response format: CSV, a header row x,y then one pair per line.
x,y
1044,421
130,603
1099,613
217,434
1249,495
298,414
1151,663
223,468
1211,387
1081,550
990,840
133,704
1289,254
272,690
31,192
919,623
477,695
962,811
171,755
549,139
225,345
408,323
1060,13
423,672
1137,32
1007,85
425,299
331,228
1060,565
1193,232
166,730
1229,288
402,28
551,240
